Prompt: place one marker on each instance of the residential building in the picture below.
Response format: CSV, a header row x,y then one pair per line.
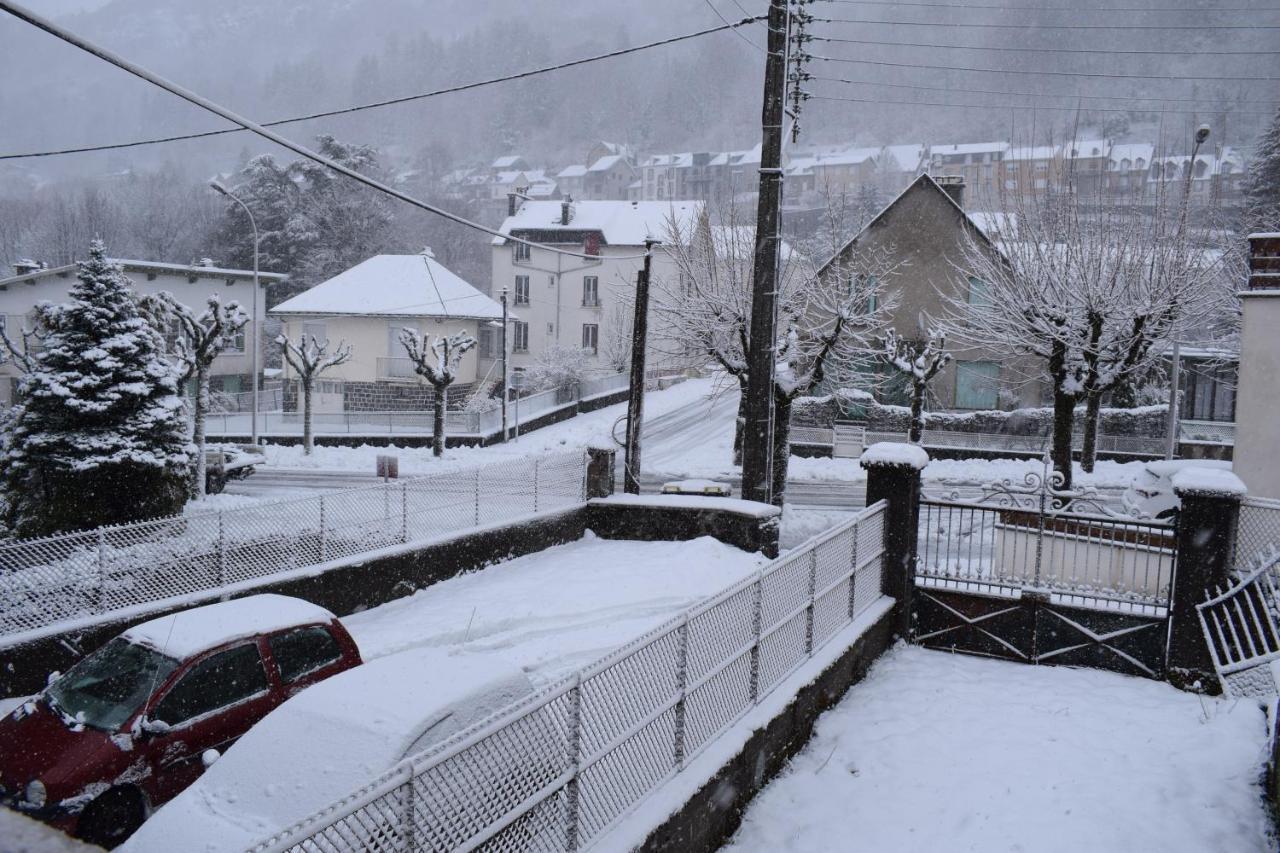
x,y
977,162
608,177
926,233
572,180
1028,170
190,284
366,307
574,303
1127,165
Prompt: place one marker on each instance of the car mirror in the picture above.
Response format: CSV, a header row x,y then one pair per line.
x,y
52,677
208,757
150,728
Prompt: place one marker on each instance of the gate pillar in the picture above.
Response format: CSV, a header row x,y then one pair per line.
x,y
1206,538
893,475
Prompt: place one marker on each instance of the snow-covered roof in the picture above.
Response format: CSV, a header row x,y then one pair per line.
x,y
1082,148
849,157
396,286
542,188
969,148
189,632
1032,152
676,160
995,224
576,170
905,157
151,266
605,163
507,162
1133,152
621,223
739,241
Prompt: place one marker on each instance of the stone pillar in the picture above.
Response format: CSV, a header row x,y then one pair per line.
x,y
600,461
1206,539
893,475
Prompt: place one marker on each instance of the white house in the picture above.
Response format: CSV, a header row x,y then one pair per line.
x,y
568,302
190,284
366,307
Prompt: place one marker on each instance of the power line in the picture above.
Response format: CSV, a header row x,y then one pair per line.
x,y
1000,8
462,87
725,20
1063,49
1028,106
1193,78
1038,26
968,91
204,103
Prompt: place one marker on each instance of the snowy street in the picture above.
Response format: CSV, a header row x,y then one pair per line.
x,y
940,753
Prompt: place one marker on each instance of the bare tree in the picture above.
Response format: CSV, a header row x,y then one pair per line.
x,y
919,362
437,361
200,339
615,345
309,358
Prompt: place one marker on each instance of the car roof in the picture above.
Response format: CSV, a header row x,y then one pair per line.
x,y
326,742
1169,467
189,632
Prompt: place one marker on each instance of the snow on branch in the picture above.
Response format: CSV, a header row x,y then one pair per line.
x,y
309,357
436,360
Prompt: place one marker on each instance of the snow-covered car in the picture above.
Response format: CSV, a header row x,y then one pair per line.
x,y
224,462
703,488
133,724
1151,495
325,743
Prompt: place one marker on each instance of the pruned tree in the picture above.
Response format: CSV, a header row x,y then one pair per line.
x,y
558,367
437,361
200,339
919,362
309,358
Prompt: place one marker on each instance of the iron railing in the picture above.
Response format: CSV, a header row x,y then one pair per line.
x,y
1209,432
1239,626
53,582
558,769
1022,443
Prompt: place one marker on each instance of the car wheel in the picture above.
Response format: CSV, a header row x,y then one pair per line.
x,y
112,817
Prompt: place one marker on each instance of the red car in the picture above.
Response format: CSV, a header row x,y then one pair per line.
x,y
136,722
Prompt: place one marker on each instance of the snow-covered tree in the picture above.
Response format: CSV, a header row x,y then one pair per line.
x,y
309,358
615,345
200,339
1262,212
919,362
558,367
99,435
437,361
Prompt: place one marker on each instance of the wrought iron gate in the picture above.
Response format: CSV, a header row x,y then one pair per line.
x,y
1239,625
1033,572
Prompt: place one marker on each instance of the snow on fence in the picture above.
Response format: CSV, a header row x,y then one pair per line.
x,y
556,770
1208,432
1258,531
94,572
1024,443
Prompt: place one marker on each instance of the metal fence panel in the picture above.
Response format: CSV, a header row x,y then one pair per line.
x,y
1258,532
556,770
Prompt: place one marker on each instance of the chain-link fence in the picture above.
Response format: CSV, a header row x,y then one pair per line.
x,y
1258,532
556,770
94,572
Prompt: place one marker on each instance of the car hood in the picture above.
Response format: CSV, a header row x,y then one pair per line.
x,y
37,743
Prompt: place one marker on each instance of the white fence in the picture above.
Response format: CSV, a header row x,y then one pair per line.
x,y
557,770
1257,533
83,575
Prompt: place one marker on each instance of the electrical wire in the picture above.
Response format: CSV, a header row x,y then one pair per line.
x,y
725,20
1074,9
462,87
997,49
1039,26
206,104
1033,107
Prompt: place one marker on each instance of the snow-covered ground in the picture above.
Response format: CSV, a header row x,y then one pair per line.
x,y
21,834
556,610
935,753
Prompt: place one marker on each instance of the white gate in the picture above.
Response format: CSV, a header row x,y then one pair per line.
x,y
849,441
1239,626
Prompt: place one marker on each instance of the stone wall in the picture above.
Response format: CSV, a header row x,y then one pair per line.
x,y
399,396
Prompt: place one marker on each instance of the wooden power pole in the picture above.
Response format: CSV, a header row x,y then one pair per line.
x,y
757,436
635,399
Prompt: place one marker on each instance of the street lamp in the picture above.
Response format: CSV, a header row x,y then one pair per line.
x,y
218,187
505,377
1175,377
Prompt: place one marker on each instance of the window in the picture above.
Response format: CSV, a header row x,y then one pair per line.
x,y
317,331
868,286
977,383
484,343
591,337
1042,167
1041,183
303,651
520,337
590,291
551,330
234,342
521,252
1011,167
1011,185
979,292
522,290
395,349
216,682
105,688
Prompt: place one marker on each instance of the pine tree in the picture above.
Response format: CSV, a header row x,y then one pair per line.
x,y
99,436
1263,196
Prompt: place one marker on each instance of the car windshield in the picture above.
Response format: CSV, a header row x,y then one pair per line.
x,y
104,689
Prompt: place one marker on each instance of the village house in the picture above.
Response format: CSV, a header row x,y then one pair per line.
x,y
976,162
190,284
366,307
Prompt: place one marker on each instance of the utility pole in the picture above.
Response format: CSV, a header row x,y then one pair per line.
x,y
635,397
757,437
506,390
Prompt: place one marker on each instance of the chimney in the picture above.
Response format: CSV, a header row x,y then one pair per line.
x,y
512,204
1264,261
566,210
952,185
26,265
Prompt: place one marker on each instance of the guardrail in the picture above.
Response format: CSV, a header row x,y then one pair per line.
x,y
52,581
558,769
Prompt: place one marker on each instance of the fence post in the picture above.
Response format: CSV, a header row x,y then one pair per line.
x,y
404,511
323,536
409,828
477,484
757,616
893,475
853,571
102,570
600,462
222,550
808,611
572,795
536,470
1206,536
682,686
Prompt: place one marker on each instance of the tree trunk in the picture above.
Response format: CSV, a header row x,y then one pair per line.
x,y
781,446
739,422
306,417
1089,450
198,412
916,431
437,438
1064,407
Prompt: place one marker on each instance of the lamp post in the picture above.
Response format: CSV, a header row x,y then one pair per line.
x,y
218,187
1175,373
505,378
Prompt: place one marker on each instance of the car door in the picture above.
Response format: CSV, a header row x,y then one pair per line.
x,y
209,706
305,655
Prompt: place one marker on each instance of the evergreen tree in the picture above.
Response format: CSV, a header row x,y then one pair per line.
x,y
1263,196
99,435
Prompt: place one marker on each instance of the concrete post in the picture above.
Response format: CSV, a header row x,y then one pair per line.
x,y
893,475
1206,541
600,462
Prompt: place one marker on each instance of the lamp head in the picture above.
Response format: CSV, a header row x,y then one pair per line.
x,y
218,187
1202,133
